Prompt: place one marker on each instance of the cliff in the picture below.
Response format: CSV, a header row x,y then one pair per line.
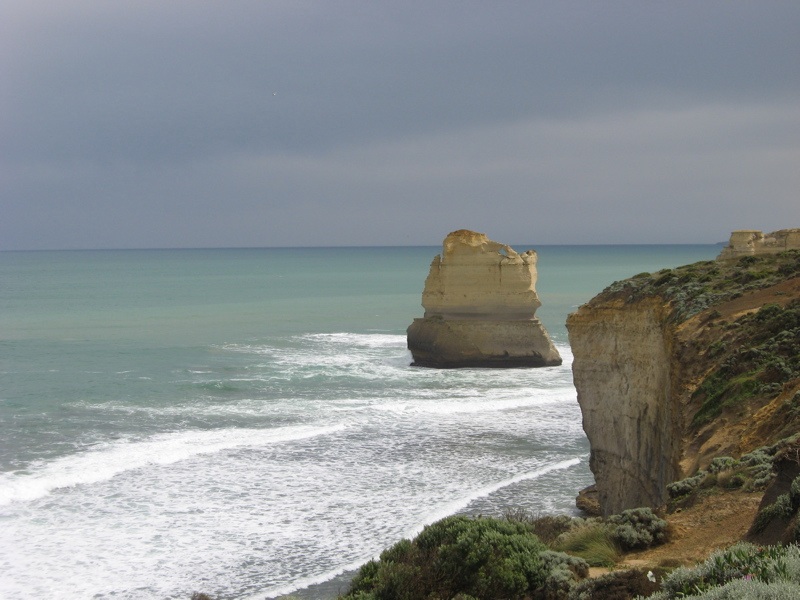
x,y
751,242
681,366
480,303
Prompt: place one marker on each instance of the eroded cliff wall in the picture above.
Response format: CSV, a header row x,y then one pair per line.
x,y
675,368
622,371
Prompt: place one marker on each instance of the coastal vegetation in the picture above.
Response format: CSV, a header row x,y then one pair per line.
x,y
751,353
743,571
518,556
694,288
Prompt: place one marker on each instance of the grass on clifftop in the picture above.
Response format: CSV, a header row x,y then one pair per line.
x,y
693,288
755,354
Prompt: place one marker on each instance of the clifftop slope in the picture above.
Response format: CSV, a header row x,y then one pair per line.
x,y
678,367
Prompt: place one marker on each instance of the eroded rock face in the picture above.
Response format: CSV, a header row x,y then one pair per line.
x,y
480,303
675,368
751,242
622,368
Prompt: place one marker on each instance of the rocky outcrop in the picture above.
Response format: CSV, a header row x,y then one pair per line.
x,y
622,371
675,368
751,242
480,303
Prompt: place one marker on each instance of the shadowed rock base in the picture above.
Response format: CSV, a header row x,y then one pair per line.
x,y
439,343
480,301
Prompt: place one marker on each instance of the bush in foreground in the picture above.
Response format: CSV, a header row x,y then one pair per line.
x,y
460,556
740,571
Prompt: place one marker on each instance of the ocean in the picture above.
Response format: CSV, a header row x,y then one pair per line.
x,y
245,422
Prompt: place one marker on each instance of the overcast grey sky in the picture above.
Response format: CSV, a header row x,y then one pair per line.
x,y
189,123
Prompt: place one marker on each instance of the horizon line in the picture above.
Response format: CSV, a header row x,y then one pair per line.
x,y
322,247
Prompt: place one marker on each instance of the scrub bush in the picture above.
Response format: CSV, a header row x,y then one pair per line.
x,y
637,528
780,509
750,566
485,558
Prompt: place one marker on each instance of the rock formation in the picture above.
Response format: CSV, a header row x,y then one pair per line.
x,y
480,301
751,242
676,368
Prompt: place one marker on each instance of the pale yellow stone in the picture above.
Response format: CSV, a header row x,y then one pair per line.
x,y
480,303
751,242
622,372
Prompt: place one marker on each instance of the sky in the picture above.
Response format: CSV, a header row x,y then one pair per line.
x,y
251,123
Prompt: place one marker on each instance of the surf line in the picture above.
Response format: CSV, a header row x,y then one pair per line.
x,y
453,507
95,466
442,512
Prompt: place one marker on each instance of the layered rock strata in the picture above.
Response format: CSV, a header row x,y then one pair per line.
x,y
751,242
678,367
480,303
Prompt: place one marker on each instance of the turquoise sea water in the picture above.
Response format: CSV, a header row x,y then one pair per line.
x,y
244,422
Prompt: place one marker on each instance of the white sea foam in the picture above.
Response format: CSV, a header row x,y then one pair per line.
x,y
111,459
461,503
442,511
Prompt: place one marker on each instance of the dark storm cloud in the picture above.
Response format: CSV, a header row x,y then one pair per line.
x,y
205,123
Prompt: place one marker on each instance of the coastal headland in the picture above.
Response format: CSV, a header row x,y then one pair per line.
x,y
688,381
676,368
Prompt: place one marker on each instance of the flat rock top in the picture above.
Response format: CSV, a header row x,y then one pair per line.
x,y
470,247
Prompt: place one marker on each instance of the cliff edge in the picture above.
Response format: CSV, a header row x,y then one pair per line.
x,y
752,242
480,303
678,367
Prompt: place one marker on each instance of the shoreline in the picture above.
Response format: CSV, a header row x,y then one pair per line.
x,y
337,584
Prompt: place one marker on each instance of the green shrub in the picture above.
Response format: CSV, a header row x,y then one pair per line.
x,y
562,572
741,561
686,486
794,492
547,528
616,585
751,472
485,558
780,509
732,480
760,463
721,463
637,528
744,589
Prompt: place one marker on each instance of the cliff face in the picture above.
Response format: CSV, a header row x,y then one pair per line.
x,y
480,303
751,242
621,366
675,368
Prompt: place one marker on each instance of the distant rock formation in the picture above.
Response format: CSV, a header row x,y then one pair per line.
x,y
751,242
480,301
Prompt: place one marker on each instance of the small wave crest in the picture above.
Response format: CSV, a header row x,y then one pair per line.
x,y
114,458
461,503
367,340
441,512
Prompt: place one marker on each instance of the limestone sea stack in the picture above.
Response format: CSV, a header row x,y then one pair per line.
x,y
480,303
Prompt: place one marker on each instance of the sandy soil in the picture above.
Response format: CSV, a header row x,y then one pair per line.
x,y
714,522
